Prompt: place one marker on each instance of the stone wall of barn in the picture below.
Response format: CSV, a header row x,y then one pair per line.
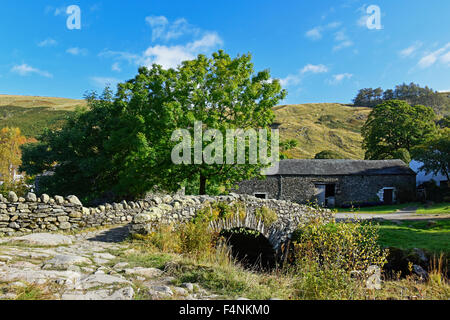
x,y
349,189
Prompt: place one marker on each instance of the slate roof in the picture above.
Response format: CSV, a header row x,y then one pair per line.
x,y
329,167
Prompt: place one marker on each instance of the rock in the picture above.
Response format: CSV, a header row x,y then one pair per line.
x,y
12,197
101,279
180,291
189,286
45,198
64,261
421,255
374,279
74,200
420,272
59,200
146,272
65,225
123,294
44,239
161,290
104,255
30,197
14,225
120,266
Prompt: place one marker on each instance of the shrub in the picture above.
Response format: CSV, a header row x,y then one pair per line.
x,y
347,246
267,215
220,210
19,187
196,238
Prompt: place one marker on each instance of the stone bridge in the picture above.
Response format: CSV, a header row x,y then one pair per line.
x,y
289,215
32,214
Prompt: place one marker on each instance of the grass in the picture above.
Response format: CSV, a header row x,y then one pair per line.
x,y
433,236
322,126
436,208
378,209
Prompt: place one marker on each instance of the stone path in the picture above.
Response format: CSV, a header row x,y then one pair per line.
x,y
84,267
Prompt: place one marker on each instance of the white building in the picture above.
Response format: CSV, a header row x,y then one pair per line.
x,y
422,177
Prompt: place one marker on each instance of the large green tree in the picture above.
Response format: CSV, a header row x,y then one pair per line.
x,y
394,128
124,144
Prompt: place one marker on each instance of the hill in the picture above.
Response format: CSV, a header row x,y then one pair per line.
x,y
322,126
316,126
33,114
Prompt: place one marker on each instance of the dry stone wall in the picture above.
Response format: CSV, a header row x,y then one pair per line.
x,y
40,214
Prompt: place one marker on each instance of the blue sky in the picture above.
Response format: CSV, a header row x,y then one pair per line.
x,y
321,50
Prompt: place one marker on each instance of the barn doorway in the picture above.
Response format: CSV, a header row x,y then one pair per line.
x,y
250,248
388,196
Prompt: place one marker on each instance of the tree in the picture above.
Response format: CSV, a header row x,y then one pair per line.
x,y
395,125
368,97
10,154
412,93
286,146
328,154
435,154
124,144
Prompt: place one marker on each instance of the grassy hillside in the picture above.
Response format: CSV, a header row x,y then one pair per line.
x,y
33,114
322,126
316,126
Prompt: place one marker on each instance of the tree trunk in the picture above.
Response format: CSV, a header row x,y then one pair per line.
x,y
202,190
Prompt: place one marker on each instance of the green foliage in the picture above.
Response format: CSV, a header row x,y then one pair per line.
x,y
411,93
328,154
434,153
267,215
32,121
394,126
19,187
123,143
338,246
220,210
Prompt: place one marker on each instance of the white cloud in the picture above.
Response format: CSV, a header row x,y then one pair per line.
x,y
24,70
342,41
169,56
295,79
77,51
49,42
431,58
338,78
411,50
290,80
116,67
445,58
162,29
316,33
320,68
102,82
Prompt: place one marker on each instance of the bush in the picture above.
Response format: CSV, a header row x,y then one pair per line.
x,y
20,188
267,215
220,210
344,246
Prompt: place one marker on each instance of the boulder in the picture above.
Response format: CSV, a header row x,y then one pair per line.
x,y
31,197
12,197
45,198
74,200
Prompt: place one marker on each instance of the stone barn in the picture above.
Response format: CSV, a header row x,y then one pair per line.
x,y
336,182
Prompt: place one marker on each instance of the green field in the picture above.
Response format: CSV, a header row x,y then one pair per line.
x,y
436,208
433,236
33,114
322,126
